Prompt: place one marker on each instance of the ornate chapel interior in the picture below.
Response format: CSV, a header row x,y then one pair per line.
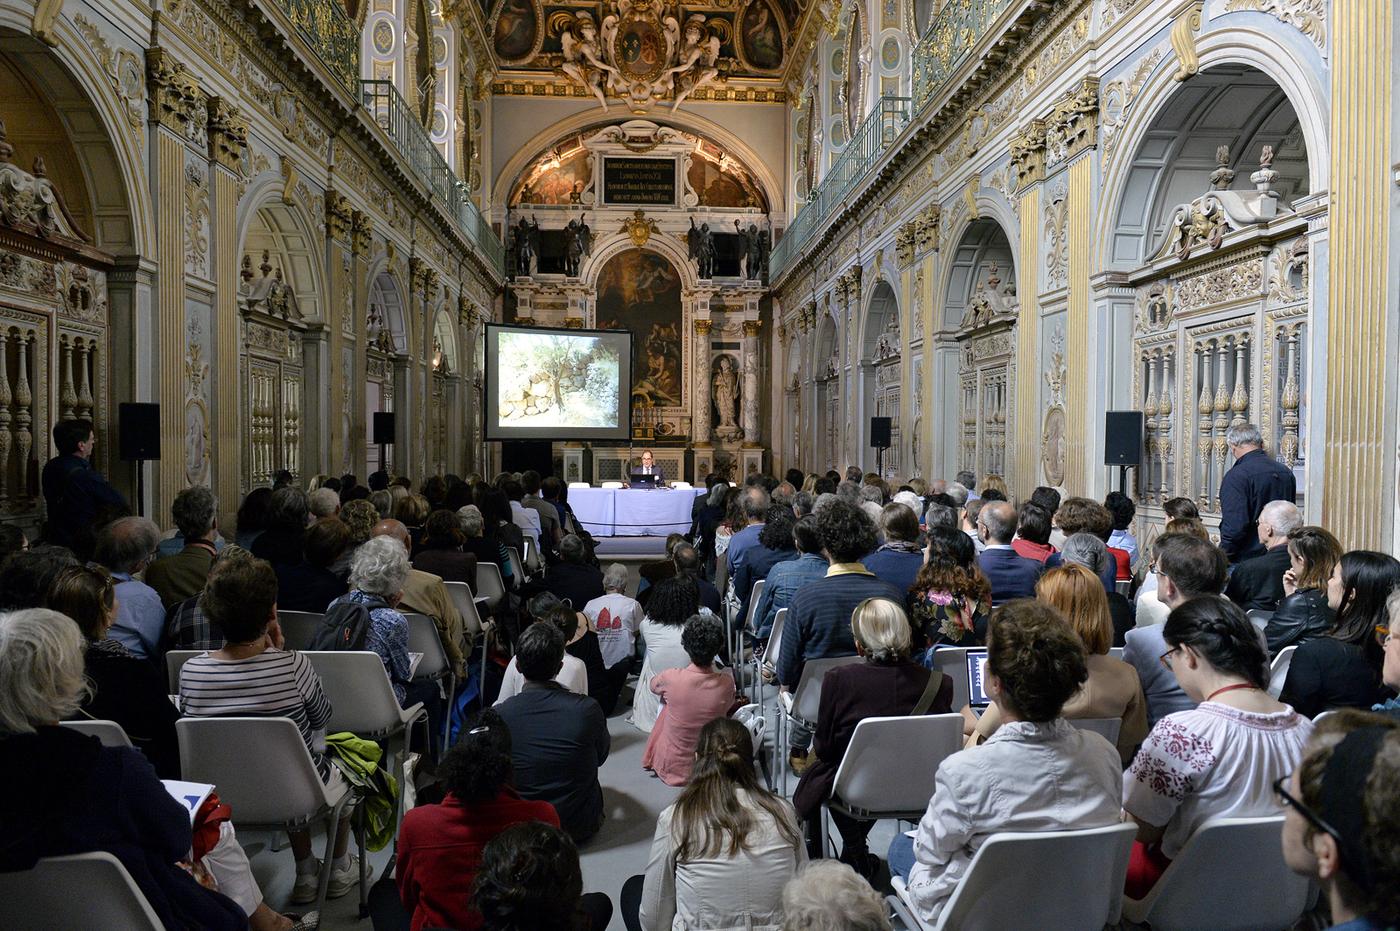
x,y
991,221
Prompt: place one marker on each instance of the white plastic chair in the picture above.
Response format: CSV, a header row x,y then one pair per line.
x,y
889,767
175,661
737,626
516,566
952,662
491,584
110,733
1042,879
264,772
681,485
299,628
82,890
1259,618
363,703
611,485
1278,670
579,485
1115,652
462,600
1108,727
1262,893
801,704
423,637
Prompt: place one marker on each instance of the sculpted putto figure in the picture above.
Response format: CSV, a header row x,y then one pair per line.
x,y
582,59
698,60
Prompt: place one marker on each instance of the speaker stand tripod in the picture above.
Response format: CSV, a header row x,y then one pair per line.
x,y
880,460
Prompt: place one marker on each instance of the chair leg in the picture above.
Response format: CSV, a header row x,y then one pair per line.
x,y
359,824
328,862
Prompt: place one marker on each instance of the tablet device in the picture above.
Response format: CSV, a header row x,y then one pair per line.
x,y
976,676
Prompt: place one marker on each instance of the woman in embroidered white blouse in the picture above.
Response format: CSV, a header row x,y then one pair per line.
x,y
1038,772
1219,759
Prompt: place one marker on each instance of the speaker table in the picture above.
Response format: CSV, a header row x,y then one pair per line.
x,y
633,512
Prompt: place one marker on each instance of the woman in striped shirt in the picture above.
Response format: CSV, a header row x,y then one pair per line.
x,y
252,675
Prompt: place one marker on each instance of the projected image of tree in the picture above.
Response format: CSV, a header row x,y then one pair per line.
x,y
550,380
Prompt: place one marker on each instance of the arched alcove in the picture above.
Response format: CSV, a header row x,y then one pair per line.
x,y
387,332
881,352
827,415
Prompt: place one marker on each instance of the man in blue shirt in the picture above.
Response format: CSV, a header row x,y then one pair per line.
x,y
77,497
755,503
125,547
786,579
1253,481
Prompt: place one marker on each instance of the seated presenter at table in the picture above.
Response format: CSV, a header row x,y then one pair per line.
x,y
649,466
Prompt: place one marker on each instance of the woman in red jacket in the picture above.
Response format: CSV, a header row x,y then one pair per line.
x,y
440,845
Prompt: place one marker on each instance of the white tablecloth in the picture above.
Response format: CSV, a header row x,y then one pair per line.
x,y
633,512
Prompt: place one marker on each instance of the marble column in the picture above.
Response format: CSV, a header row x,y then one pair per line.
x,y
700,413
750,390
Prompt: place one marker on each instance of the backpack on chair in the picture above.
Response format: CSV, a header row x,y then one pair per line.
x,y
345,626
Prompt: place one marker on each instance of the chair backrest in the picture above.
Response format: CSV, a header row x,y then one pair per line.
x,y
1262,893
806,699
490,583
681,485
461,595
423,638
1278,671
516,566
82,890
952,662
890,763
579,485
753,603
775,639
299,627
110,733
1066,879
260,766
1108,727
1123,586
1259,617
362,699
175,661
1115,652
532,556
611,485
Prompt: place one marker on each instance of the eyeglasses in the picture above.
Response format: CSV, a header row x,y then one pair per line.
x,y
1308,814
1166,659
1383,634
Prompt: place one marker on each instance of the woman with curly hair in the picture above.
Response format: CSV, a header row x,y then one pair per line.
x,y
530,880
440,846
691,697
360,516
951,598
669,607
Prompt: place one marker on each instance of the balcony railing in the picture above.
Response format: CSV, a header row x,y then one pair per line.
x,y
876,133
426,163
950,39
330,33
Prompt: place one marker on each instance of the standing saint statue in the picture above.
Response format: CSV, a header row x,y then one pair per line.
x,y
726,395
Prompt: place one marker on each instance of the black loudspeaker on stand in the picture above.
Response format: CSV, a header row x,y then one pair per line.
x,y
138,441
383,433
880,439
1122,443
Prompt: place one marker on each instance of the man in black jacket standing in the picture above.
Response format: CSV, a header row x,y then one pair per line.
x,y
78,498
1255,479
1257,583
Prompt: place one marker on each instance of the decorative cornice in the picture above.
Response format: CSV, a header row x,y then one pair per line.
x,y
338,214
1072,126
361,232
1028,154
228,134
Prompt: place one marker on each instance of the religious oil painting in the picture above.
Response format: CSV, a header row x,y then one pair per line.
x,y
761,36
516,30
723,185
557,178
641,291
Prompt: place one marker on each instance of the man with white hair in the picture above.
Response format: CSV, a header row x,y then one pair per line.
x,y
617,618
1254,480
1257,583
323,502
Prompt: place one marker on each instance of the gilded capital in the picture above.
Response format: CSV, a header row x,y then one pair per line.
x,y
702,327
904,238
752,327
228,134
926,228
361,232
1073,125
1028,154
177,101
337,214
573,323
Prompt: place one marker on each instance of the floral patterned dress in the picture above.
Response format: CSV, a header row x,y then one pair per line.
x,y
946,618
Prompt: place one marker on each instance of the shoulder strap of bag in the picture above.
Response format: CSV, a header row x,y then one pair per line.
x,y
935,681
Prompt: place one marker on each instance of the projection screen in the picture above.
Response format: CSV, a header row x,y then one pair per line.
x,y
557,384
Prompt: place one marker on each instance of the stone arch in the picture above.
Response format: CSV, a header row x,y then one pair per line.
x,y
388,306
978,246
827,417
294,246
877,372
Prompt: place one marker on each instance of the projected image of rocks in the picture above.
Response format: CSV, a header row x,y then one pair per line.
x,y
550,380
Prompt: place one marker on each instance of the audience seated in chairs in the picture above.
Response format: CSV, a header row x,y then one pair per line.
x,y
687,562
424,593
887,684
312,584
559,739
530,880
1219,759
786,579
572,578
668,609
287,516
1343,669
723,851
440,846
252,516
1038,772
829,896
1341,824
616,618
1083,515
441,553
951,598
252,674
1087,550
1122,509
819,617
1303,613
121,687
1256,584
124,548
412,511
774,546
182,575
658,570
62,792
482,542
1033,533
691,698
573,674
1010,574
1112,689
899,557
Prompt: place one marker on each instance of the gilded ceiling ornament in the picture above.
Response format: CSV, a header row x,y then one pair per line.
x,y
638,228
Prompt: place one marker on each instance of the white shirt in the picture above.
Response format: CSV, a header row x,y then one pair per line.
x,y
616,618
574,677
1213,761
744,891
1150,611
1026,777
527,519
664,651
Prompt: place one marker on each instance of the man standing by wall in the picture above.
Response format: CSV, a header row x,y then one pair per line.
x,y
78,498
1253,481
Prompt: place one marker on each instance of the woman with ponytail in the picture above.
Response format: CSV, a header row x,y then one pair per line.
x,y
1219,759
723,852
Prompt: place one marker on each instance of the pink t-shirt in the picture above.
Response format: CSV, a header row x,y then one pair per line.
x,y
690,699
